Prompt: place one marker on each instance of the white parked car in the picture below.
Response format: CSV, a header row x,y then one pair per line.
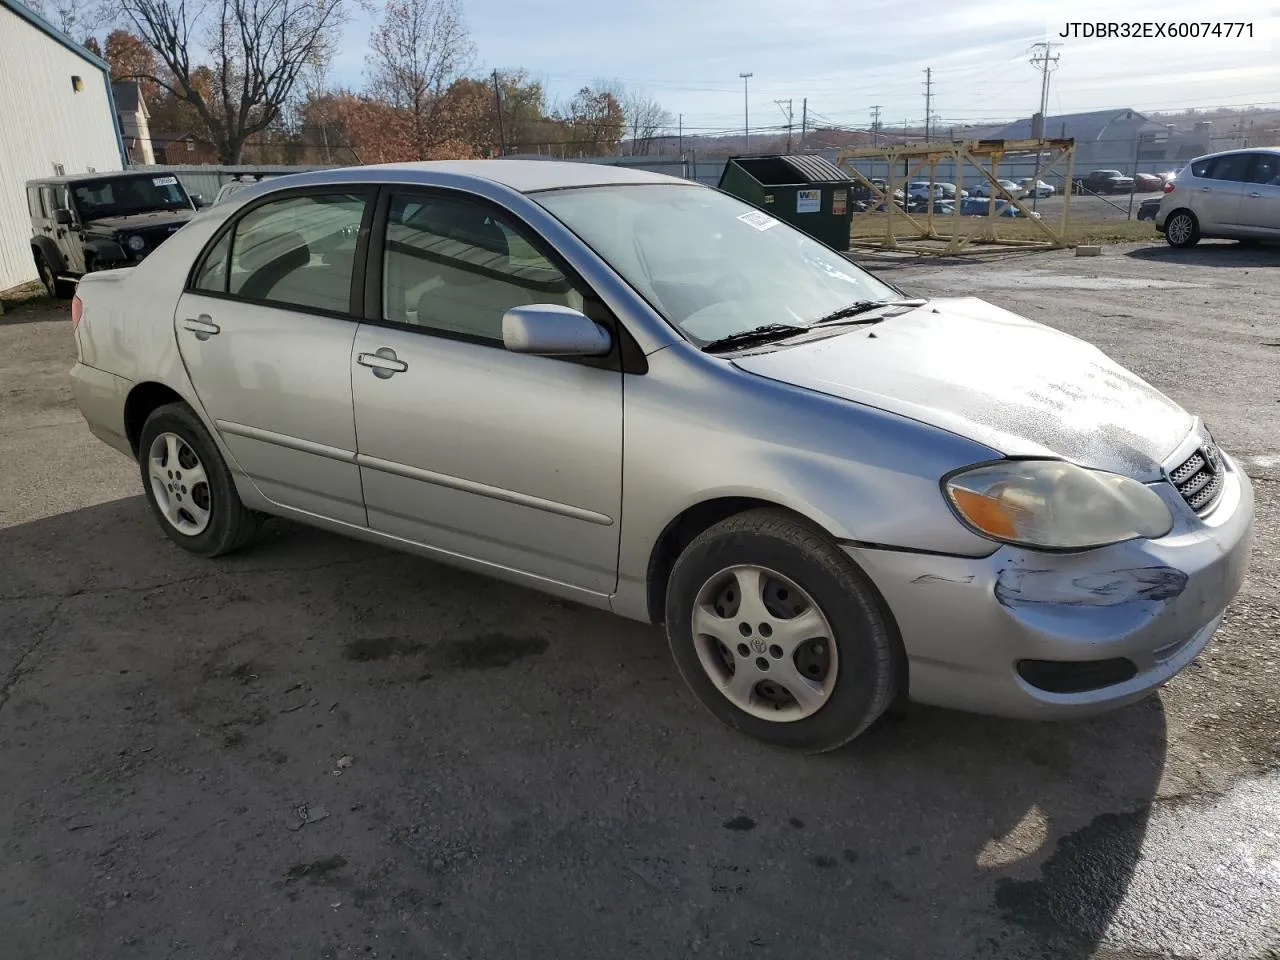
x,y
1233,195
1041,189
984,189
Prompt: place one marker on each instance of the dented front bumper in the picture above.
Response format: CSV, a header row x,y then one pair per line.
x,y
966,623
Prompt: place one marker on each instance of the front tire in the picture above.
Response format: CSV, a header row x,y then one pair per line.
x,y
1182,229
779,634
188,485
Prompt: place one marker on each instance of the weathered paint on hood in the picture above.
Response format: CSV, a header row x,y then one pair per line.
x,y
997,378
140,221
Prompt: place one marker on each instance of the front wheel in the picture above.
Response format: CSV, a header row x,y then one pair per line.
x,y
779,634
189,486
1182,229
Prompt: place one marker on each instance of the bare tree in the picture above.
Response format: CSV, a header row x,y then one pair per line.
x,y
256,50
416,51
63,14
645,118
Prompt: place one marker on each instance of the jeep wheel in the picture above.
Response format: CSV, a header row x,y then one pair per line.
x,y
52,285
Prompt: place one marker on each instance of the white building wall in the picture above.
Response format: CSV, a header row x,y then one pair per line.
x,y
43,122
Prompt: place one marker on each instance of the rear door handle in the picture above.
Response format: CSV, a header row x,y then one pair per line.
x,y
203,326
1255,194
383,362
1206,189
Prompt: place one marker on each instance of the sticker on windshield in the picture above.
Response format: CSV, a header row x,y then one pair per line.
x,y
758,219
165,181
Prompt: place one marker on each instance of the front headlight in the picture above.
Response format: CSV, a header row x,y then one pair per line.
x,y
1053,505
135,243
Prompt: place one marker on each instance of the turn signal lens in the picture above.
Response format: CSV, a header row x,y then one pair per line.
x,y
1168,187
1054,505
77,311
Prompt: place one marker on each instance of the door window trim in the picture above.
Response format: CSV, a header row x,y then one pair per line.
x,y
624,354
368,193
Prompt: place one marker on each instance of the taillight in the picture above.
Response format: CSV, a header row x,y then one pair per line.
x,y
77,311
1168,187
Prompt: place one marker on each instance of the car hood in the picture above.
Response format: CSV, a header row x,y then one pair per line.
x,y
1009,383
141,221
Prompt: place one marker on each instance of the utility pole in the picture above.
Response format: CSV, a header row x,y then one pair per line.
x,y
746,116
497,99
680,138
789,118
928,100
875,125
1045,60
804,121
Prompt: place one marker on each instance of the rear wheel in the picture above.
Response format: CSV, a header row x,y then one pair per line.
x,y
1182,229
779,634
52,285
189,486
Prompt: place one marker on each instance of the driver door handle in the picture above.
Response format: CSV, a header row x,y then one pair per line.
x,y
1255,193
383,362
203,326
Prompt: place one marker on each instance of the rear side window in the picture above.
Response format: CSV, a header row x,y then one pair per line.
x,y
1233,166
33,201
298,252
46,202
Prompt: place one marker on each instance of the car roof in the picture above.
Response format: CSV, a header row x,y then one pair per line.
x,y
1224,153
102,175
524,176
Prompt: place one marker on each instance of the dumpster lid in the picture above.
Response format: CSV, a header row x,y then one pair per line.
x,y
777,171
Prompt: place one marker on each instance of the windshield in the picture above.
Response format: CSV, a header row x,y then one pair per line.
x,y
710,264
120,196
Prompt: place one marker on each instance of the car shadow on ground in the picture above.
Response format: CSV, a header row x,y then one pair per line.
x,y
319,747
1211,253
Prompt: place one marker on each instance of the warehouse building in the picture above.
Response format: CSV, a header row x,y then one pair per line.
x,y
56,117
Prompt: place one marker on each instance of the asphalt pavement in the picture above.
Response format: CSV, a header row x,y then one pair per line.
x,y
322,749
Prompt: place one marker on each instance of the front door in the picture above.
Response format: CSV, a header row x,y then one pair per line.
x,y
509,459
1260,206
266,329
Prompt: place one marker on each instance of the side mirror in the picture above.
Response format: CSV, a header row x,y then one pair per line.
x,y
550,330
63,216
197,200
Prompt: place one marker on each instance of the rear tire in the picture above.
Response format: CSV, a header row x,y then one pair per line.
x,y
1182,229
809,621
188,485
59,289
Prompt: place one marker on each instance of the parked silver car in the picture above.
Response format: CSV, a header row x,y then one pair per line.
x,y
646,396
1233,195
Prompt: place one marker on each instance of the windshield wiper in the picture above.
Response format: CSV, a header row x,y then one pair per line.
x,y
861,307
767,333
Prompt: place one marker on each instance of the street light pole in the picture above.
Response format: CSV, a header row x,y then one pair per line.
x,y
746,116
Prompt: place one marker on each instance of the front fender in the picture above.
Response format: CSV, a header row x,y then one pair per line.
x,y
102,250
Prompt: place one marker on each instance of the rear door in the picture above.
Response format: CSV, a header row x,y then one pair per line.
x,y
1220,192
1260,205
266,328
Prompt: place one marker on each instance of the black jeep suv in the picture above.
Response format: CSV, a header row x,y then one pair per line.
x,y
97,221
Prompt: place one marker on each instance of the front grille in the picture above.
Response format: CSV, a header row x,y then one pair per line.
x,y
1199,478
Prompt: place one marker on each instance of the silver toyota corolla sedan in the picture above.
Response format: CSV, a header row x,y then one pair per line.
x,y
644,395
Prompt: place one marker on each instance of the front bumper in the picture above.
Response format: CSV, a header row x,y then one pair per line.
x,y
967,622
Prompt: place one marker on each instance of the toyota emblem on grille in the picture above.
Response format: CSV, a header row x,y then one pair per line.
x,y
1212,458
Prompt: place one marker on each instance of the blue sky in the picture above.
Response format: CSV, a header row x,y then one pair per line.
x,y
846,57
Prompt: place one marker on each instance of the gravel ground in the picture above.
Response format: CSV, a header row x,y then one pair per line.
x,y
319,748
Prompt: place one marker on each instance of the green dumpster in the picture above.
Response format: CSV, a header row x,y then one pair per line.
x,y
808,192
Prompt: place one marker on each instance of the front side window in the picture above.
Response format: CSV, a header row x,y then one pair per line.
x,y
709,263
122,196
455,266
1265,169
298,251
